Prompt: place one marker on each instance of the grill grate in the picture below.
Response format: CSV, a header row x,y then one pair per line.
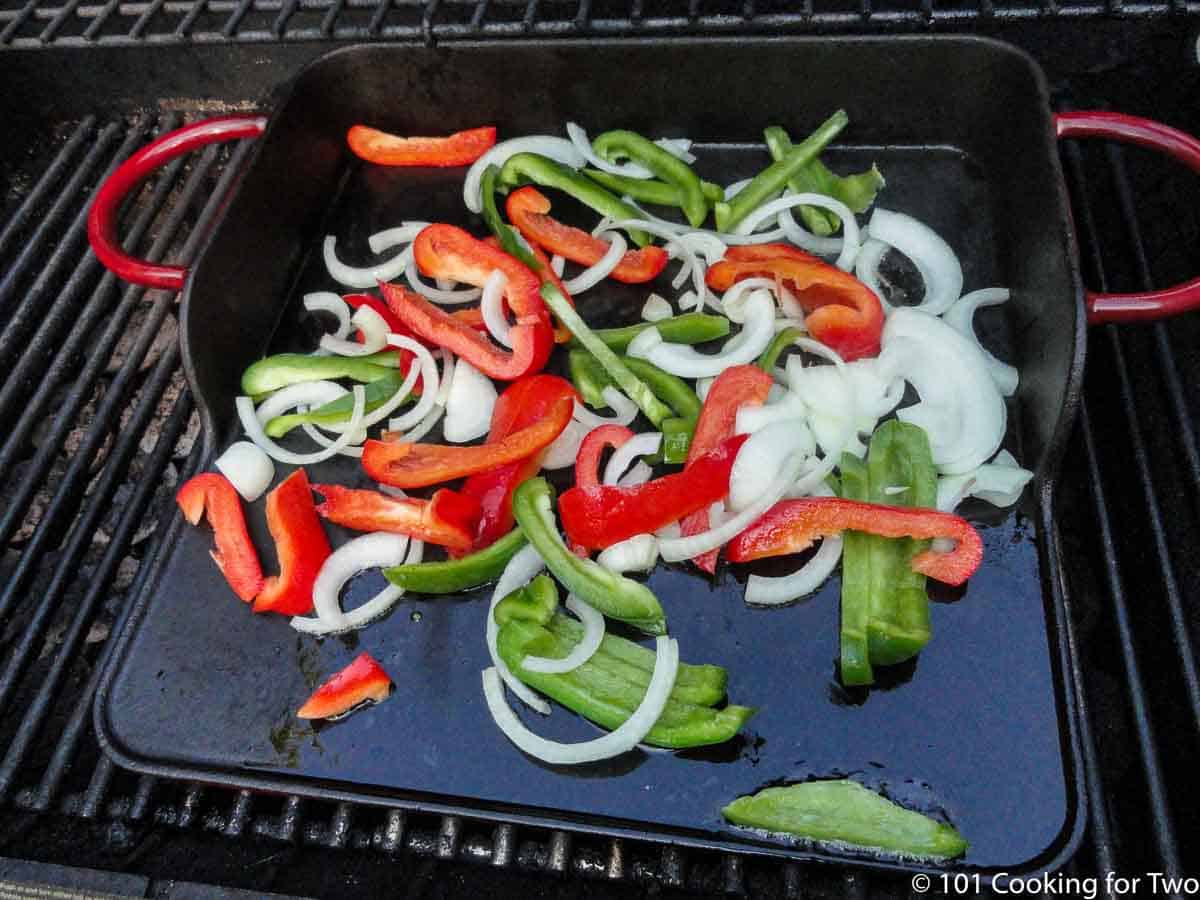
x,y
36,23
97,426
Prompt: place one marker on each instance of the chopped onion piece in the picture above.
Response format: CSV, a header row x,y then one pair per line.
x,y
366,277
368,612
304,393
636,554
639,473
625,738
961,318
585,649
704,244
680,148
248,469
564,448
624,410
430,386
492,307
788,408
558,264
375,331
939,267
669,532
656,309
469,404
762,455
384,240
254,430
687,362
521,570
764,591
999,483
328,301
734,300
364,552
593,275
623,456
557,148
850,239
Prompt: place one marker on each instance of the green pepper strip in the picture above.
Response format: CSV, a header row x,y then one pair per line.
x,y
633,386
776,176
847,812
535,602
454,575
613,145
608,698
335,412
614,595
775,349
510,240
856,191
522,168
274,372
689,328
855,657
650,190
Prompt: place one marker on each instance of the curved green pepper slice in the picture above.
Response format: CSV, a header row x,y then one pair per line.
x,y
452,575
613,145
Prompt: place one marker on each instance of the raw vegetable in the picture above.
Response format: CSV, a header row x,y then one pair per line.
x,y
781,341
689,328
941,272
469,404
363,681
535,602
846,812
248,469
680,359
455,575
647,190
235,555
300,546
447,519
274,372
337,412
616,144
614,595
459,149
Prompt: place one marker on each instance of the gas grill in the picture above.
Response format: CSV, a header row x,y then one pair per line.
x,y
97,428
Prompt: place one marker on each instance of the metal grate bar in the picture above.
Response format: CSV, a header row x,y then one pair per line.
x,y
1147,743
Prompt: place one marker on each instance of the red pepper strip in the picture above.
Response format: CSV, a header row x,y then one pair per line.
x,y
522,404
547,275
459,149
448,519
235,555
444,251
300,545
792,525
406,465
845,314
587,462
531,337
734,388
600,516
360,682
527,208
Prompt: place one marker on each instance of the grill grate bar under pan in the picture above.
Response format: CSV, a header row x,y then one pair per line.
x,y
122,435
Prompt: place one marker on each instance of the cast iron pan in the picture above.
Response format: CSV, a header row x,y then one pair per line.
x,y
979,729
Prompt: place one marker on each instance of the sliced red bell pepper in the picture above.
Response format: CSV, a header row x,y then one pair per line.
x,y
734,388
459,149
522,404
843,312
547,275
235,555
300,545
444,251
447,519
587,461
792,525
527,208
599,516
363,681
406,465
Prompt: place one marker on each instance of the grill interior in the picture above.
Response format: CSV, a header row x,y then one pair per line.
x,y
97,428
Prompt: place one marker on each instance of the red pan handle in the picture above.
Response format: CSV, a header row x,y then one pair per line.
x,y
1147,305
102,217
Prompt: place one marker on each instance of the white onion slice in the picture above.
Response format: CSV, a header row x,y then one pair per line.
x,y
564,448
680,148
365,277
866,267
669,532
788,408
492,307
430,386
806,240
675,248
734,300
624,410
365,552
368,612
687,362
656,309
406,233
385,409
999,483
469,404
304,393
623,456
557,148
639,473
580,140
762,456
375,331
585,649
423,427
593,275
939,267
521,569
764,591
961,317
678,229
625,738
705,245
328,301
254,430
703,386
850,238
248,469
323,441
636,554
431,293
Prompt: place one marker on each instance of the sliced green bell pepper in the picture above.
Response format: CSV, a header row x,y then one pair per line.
x,y
688,328
535,602
614,145
650,190
510,240
338,411
274,372
775,349
452,575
